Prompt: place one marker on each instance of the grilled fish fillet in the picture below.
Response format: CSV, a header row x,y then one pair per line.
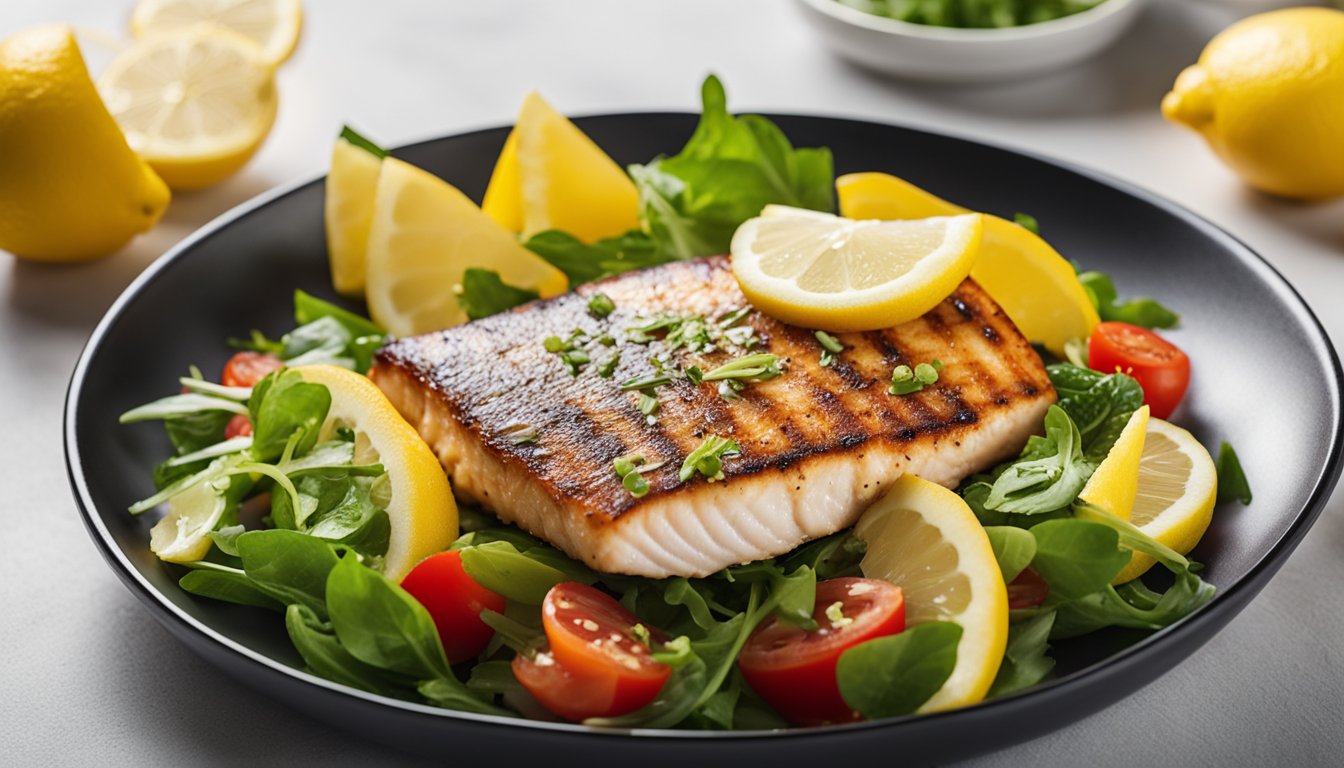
x,y
818,444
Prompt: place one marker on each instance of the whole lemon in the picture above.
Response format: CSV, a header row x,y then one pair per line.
x,y
1268,96
70,186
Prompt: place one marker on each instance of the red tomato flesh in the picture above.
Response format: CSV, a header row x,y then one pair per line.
x,y
238,426
1160,367
595,666
455,602
794,670
1028,590
246,368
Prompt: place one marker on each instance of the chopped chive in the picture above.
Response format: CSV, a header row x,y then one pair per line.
x,y
525,436
695,375
707,459
733,317
606,340
828,341
554,344
902,373
649,406
635,484
645,382
601,305
926,374
757,367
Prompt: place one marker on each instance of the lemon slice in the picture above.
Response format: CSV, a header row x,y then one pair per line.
x,y
923,538
195,105
1175,490
423,237
1037,288
420,504
351,185
550,175
822,271
272,25
1115,483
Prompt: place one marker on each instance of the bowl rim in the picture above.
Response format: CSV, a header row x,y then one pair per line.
x,y
179,621
970,35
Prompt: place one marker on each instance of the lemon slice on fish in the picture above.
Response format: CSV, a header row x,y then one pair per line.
x,y
419,501
924,539
821,271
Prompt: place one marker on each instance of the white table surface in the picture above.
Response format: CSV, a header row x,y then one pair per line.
x,y
87,676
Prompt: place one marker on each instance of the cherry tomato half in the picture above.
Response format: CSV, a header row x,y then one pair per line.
x,y
596,666
794,670
239,426
246,368
1161,368
1028,590
455,603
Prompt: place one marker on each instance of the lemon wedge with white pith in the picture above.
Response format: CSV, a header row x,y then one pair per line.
x,y
420,506
272,25
1037,288
821,271
924,539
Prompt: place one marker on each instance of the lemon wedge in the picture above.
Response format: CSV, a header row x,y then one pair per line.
x,y
420,504
272,25
550,175
822,271
1115,483
923,538
351,185
71,188
195,105
423,236
183,535
1175,490
1036,287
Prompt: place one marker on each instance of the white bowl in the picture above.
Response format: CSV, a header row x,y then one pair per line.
x,y
949,54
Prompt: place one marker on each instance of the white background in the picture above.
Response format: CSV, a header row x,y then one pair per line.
x,y
86,675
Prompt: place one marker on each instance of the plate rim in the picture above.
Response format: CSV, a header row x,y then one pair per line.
x,y
1266,565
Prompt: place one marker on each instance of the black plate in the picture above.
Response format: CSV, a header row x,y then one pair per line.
x,y
1266,378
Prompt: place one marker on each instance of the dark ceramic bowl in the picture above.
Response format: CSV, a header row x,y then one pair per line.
x,y
1240,322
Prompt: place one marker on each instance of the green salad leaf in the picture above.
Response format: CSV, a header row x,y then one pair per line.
x,y
284,405
1232,482
1025,661
1049,474
894,675
1143,312
1077,557
584,263
1013,547
1100,404
484,294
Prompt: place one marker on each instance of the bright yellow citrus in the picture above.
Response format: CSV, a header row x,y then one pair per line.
x,y
272,25
1176,489
1115,483
1037,288
552,176
822,271
1266,95
423,237
196,104
420,503
924,539
70,188
351,185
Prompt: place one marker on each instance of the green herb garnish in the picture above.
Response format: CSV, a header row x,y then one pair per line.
x,y
707,459
484,293
830,348
601,305
1027,222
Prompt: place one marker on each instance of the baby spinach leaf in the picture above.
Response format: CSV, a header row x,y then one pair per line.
x,y
1232,483
1077,557
584,263
484,293
1025,662
381,624
229,586
1013,549
322,651
226,538
451,694
794,596
1099,404
281,405
894,675
1143,312
1049,474
289,566
191,432
732,167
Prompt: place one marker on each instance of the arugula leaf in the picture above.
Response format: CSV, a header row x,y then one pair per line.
x,y
321,649
1049,474
1132,605
1100,404
337,507
795,596
228,585
289,566
894,675
584,263
731,168
1143,312
351,136
1013,549
1077,557
1025,662
281,405
484,293
325,333
829,557
1232,483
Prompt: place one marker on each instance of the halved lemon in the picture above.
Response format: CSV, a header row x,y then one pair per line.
x,y
423,237
822,271
1175,491
196,105
420,502
1036,287
550,175
272,25
923,538
351,185
1114,485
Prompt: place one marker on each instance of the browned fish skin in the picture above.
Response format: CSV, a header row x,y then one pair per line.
x,y
470,389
